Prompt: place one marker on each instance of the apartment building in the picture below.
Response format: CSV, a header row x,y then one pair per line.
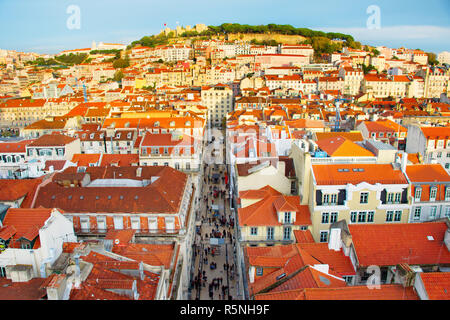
x,y
176,150
432,143
219,100
430,192
352,80
358,194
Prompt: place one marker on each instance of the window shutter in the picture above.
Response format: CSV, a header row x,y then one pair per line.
x,y
383,196
341,197
319,197
405,195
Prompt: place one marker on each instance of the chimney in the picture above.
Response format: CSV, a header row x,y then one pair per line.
x,y
141,270
404,161
77,271
334,242
324,268
404,275
134,289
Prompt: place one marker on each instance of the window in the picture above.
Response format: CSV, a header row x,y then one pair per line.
x,y
353,217
287,217
2,272
259,271
447,193
439,155
370,216
153,224
166,150
418,193
362,216
101,224
118,222
364,197
254,231
447,212
333,199
135,223
433,211
433,193
323,236
25,245
398,215
417,212
397,197
389,216
334,216
287,233
269,233
325,217
326,198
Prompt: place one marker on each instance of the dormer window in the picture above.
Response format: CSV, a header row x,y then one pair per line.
x,y
172,123
287,217
156,124
118,136
92,136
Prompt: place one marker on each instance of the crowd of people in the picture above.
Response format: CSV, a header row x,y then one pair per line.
x,y
217,224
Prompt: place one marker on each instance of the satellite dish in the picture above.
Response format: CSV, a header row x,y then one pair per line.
x,y
117,241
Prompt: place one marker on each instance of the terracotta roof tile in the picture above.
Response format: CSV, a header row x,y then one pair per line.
x,y
333,174
392,244
437,285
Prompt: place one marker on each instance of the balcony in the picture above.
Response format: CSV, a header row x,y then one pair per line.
x,y
140,233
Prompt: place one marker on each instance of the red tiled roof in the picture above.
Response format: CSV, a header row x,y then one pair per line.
x,y
122,160
151,254
392,244
123,237
27,223
14,147
51,140
386,292
264,212
427,173
303,236
437,285
166,191
436,133
56,164
30,290
83,160
14,189
332,174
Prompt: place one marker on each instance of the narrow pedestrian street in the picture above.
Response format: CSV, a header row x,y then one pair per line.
x,y
215,269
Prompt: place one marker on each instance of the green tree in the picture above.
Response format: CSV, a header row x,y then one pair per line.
x,y
432,59
118,76
121,63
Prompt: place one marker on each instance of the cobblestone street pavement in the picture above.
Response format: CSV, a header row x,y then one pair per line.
x,y
213,279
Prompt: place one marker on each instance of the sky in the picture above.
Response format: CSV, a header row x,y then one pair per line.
x,y
42,25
